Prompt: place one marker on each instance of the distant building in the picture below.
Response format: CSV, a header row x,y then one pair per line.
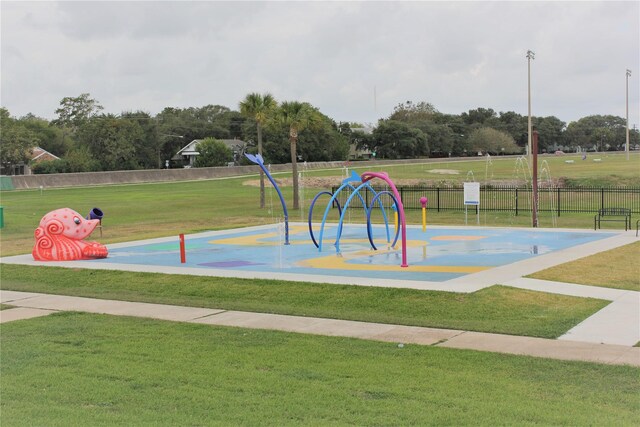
x,y
36,155
40,155
187,154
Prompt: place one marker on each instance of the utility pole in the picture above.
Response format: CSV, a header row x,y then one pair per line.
x,y
627,98
530,55
534,181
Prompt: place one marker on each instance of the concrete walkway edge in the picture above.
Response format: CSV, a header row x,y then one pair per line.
x,y
32,304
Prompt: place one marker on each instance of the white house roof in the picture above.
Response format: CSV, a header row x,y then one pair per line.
x,y
189,149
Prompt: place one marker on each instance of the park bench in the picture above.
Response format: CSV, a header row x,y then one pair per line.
x,y
613,215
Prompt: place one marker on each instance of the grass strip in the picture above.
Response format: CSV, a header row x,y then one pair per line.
x,y
167,209
616,268
82,369
496,309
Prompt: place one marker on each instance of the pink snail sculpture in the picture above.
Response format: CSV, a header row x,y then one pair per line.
x,y
60,237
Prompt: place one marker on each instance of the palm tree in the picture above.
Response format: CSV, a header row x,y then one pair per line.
x,y
298,116
260,108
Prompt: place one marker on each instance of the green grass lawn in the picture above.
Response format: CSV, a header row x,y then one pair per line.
x,y
167,209
613,169
496,309
617,268
81,369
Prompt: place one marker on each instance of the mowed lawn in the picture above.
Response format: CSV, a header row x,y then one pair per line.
x,y
81,369
616,268
496,309
167,209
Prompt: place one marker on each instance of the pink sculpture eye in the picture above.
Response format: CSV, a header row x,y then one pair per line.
x,y
76,220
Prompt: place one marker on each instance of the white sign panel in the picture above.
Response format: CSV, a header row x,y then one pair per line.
x,y
472,193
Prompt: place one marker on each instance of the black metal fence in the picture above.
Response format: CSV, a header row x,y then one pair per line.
x,y
509,198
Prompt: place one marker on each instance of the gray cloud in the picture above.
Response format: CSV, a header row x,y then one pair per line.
x,y
456,55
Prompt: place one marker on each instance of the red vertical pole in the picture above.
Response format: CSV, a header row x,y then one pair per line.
x,y
183,256
534,182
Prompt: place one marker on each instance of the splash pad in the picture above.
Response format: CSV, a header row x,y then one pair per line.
x,y
440,255
442,258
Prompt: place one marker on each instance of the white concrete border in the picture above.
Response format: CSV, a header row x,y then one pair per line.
x,y
618,323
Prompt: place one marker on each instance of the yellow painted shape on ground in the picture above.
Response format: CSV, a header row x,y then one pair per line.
x,y
256,239
447,238
335,261
340,262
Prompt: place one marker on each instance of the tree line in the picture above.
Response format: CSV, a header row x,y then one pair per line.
x,y
419,129
87,139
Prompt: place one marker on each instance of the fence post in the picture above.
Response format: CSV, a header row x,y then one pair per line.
x,y
601,198
438,198
558,200
516,201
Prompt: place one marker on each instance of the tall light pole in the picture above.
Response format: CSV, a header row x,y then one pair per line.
x,y
627,93
530,55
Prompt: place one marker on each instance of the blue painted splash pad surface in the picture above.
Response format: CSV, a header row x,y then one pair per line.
x,y
437,255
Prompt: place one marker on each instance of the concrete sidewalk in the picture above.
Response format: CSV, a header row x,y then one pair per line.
x,y
617,323
36,304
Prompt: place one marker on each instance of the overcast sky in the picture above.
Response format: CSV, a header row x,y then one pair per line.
x,y
336,55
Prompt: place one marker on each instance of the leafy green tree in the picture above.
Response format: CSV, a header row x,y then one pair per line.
x,y
16,142
297,116
148,146
362,140
441,139
174,132
425,117
210,120
260,108
488,140
515,125
603,138
75,111
480,116
79,159
355,136
459,131
112,141
213,153
177,127
411,113
550,132
397,140
323,143
596,132
51,166
50,138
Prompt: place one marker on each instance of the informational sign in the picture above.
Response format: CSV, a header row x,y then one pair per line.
x,y
472,193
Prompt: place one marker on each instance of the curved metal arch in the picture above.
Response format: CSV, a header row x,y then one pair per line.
x,y
326,212
346,205
370,209
313,202
257,159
